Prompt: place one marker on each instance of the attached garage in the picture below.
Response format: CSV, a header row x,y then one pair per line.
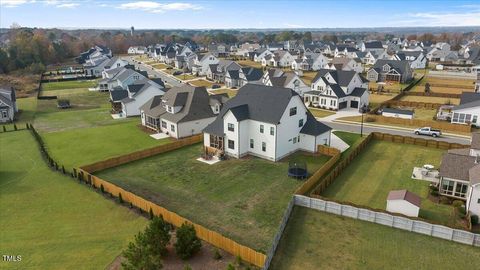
x,y
342,105
354,104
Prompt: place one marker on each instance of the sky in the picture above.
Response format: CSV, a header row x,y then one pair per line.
x,y
216,14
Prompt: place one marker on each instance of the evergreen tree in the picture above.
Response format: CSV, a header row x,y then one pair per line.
x,y
187,241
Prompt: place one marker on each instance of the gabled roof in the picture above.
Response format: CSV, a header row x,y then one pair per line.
x,y
252,74
373,45
196,104
313,127
468,100
341,77
153,107
398,111
405,195
400,66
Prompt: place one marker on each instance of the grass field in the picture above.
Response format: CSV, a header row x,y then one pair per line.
x,y
439,100
241,198
389,87
317,240
321,113
250,63
446,85
26,114
52,221
159,66
385,166
376,99
76,147
205,83
51,86
185,76
231,93
424,114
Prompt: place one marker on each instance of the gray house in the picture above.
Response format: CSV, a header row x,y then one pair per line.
x,y
390,70
8,104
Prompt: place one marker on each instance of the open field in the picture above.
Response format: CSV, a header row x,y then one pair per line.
x,y
385,166
52,221
318,240
376,99
24,84
26,113
51,86
446,85
231,93
243,199
321,113
439,100
205,83
77,147
250,63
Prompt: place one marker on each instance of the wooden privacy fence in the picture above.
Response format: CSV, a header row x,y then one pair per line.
x,y
432,94
116,161
419,123
313,180
214,238
329,178
413,104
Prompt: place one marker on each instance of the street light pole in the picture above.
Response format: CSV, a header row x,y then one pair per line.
x,y
361,126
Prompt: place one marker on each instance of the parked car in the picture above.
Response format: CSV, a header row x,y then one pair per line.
x,y
177,73
428,131
215,86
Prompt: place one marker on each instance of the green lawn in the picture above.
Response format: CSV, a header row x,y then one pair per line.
x,y
385,166
76,147
321,113
27,108
317,240
68,85
241,198
51,220
185,76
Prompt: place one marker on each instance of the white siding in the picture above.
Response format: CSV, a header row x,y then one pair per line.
x,y
190,128
473,203
402,207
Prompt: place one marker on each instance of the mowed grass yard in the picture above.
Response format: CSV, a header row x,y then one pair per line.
x,y
52,221
439,100
200,83
54,86
243,199
317,240
385,166
321,113
446,85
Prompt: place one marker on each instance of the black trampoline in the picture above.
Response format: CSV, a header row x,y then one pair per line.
x,y
297,170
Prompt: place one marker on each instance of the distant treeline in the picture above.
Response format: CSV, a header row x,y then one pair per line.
x,y
31,49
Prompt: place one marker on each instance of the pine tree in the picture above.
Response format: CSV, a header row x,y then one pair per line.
x,y
187,241
151,213
120,199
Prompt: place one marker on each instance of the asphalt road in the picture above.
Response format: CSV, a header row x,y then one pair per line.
x,y
154,73
355,128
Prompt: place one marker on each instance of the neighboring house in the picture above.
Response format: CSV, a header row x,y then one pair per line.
x,y
138,94
285,79
94,66
390,70
247,48
202,63
310,61
217,72
274,46
472,56
181,111
397,113
120,77
264,121
260,54
137,50
344,63
337,89
245,75
114,62
366,57
369,46
345,51
460,175
278,59
468,111
403,202
416,58
8,104
93,52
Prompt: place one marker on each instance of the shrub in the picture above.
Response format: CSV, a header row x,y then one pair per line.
x,y
462,211
27,126
369,119
216,255
474,219
102,189
187,267
187,241
444,200
230,267
434,193
4,129
238,260
15,126
120,199
131,205
63,169
457,203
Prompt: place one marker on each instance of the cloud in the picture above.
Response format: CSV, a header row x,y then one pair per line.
x,y
470,17
156,7
14,3
67,5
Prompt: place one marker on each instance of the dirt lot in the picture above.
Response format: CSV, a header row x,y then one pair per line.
x,y
25,85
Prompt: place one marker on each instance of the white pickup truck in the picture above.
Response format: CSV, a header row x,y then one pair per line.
x,y
428,131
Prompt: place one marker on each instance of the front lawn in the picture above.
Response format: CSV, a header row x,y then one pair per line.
x,y
199,83
319,113
51,86
77,147
243,199
385,166
185,76
317,240
250,63
230,92
51,220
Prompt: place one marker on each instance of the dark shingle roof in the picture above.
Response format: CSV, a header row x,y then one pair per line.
x,y
468,100
398,111
313,127
196,104
405,195
358,92
118,95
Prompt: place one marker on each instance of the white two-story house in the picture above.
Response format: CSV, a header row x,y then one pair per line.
x,y
285,79
337,89
267,122
279,58
202,63
310,61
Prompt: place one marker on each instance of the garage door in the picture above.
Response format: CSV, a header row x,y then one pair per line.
x,y
342,105
354,104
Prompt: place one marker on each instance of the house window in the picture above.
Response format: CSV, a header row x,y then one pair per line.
x,y
293,111
251,143
478,201
295,140
461,189
231,144
164,124
298,138
300,123
272,131
231,127
474,119
172,128
264,146
447,187
261,128
4,114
